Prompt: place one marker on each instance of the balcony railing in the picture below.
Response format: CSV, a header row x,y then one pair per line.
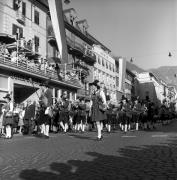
x,y
34,69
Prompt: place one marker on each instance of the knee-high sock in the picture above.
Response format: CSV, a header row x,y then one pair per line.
x,y
137,126
109,128
125,128
99,129
62,125
83,127
65,127
43,128
8,131
46,130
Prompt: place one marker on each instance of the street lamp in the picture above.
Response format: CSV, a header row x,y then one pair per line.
x,y
170,55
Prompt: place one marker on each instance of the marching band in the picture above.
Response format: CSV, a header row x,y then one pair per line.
x,y
83,114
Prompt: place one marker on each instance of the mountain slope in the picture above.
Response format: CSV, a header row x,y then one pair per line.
x,y
166,73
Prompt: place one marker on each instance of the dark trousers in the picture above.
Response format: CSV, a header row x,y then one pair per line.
x,y
28,126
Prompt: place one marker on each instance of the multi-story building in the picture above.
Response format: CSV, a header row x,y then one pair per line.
x,y
125,79
104,70
152,87
28,21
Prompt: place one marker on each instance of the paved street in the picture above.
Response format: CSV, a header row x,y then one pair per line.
x,y
135,155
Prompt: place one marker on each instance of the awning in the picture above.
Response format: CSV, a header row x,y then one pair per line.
x,y
6,38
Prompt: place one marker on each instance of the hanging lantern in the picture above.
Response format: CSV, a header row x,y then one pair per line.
x,y
170,55
67,1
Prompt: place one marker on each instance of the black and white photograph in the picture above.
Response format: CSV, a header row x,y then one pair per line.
x,y
88,89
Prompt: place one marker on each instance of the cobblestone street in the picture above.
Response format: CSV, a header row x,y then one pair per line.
x,y
135,155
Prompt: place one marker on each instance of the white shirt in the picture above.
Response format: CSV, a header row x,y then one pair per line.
x,y
102,94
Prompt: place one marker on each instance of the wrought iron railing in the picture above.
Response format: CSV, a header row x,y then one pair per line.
x,y
33,68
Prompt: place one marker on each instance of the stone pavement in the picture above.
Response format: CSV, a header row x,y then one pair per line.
x,y
135,155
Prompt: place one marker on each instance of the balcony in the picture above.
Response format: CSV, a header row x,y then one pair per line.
x,y
36,70
20,17
75,47
89,56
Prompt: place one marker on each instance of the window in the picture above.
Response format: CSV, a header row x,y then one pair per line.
x,y
110,67
24,8
36,17
16,4
113,69
103,62
18,31
106,64
99,59
36,43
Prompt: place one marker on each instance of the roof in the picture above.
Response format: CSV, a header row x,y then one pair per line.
x,y
98,42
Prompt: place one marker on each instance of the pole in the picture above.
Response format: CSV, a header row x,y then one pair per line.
x,y
65,70
18,31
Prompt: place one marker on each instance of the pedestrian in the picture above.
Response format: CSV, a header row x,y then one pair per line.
x,y
7,110
82,115
29,117
64,112
136,111
21,118
98,106
46,100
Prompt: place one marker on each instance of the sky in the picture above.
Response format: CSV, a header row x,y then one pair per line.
x,y
145,30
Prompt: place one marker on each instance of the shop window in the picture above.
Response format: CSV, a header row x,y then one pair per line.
x,y
36,17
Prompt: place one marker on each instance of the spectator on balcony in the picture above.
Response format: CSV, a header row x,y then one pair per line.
x,y
14,56
46,66
4,51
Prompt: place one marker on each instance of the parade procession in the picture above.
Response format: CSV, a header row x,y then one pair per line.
x,y
68,81
42,117
88,90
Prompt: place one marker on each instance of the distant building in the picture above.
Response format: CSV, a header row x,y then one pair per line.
x,y
125,79
152,87
104,70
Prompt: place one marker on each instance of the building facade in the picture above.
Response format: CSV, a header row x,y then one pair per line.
x,y
151,87
104,70
23,74
125,80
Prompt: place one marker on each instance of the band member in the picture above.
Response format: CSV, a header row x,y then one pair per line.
x,y
64,112
136,111
144,115
7,111
81,115
46,98
98,106
125,114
